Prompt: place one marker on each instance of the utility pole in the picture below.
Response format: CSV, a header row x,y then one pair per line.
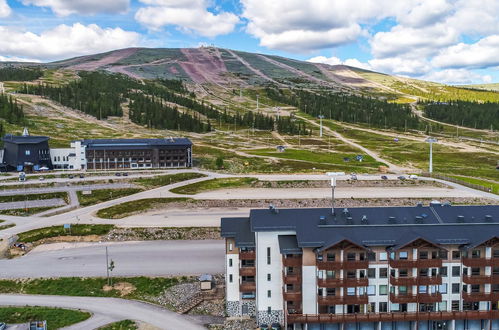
x,y
257,102
320,119
431,140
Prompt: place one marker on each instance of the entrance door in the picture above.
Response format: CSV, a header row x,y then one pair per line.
x,y
244,310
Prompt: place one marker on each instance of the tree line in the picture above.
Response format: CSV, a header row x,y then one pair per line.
x,y
464,113
348,108
10,110
11,73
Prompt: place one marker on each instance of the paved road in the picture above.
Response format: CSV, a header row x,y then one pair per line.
x,y
151,258
107,310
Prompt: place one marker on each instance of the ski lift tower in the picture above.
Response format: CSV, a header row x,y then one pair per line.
x,y
431,140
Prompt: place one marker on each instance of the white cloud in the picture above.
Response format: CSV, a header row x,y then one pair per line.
x,y
187,15
425,13
333,60
64,41
85,7
4,8
16,59
401,65
481,54
357,64
457,76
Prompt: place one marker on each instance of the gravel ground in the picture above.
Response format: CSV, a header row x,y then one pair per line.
x,y
147,234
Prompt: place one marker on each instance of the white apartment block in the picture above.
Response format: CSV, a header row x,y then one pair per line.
x,y
403,268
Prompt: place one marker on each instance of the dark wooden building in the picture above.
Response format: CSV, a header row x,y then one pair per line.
x,y
26,153
111,154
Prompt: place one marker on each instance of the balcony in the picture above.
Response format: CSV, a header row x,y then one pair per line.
x,y
480,296
292,261
292,296
477,279
419,263
247,255
429,280
343,300
292,279
391,317
247,287
405,281
476,262
342,282
349,264
419,298
247,271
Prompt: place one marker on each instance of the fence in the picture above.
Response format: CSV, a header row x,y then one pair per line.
x,y
454,180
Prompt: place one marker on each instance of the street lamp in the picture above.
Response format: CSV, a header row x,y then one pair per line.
x,y
333,176
431,140
320,118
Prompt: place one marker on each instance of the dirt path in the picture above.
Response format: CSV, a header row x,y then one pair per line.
x,y
392,167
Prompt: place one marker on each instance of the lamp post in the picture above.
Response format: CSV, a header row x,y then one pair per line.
x,y
320,119
333,176
431,140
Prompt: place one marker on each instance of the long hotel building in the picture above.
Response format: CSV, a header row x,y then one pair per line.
x,y
405,268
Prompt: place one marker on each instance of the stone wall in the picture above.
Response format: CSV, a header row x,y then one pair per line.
x,y
235,308
275,316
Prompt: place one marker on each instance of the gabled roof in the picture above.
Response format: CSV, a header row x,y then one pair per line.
x,y
24,139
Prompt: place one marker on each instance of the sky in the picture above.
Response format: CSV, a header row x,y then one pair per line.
x,y
448,41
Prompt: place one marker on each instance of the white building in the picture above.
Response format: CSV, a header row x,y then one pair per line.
x,y
403,268
72,158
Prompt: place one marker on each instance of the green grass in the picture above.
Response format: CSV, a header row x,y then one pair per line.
x,y
19,198
486,183
146,287
99,196
195,188
27,212
54,231
121,325
163,180
133,207
56,317
10,225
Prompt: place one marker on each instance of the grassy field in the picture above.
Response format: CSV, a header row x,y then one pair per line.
x,y
56,317
163,180
27,212
213,184
54,231
33,197
10,225
99,196
133,207
494,186
145,287
121,325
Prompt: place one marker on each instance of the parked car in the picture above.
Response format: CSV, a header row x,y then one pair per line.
x,y
82,176
117,174
3,326
125,174
401,177
413,176
275,326
71,176
384,177
353,177
41,178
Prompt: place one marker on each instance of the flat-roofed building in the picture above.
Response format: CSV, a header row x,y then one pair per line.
x,y
404,268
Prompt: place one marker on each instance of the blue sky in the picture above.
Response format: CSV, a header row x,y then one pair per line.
x,y
451,41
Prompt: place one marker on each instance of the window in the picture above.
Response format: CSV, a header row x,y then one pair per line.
x,y
269,310
455,305
475,271
382,307
442,254
383,256
456,271
442,288
230,278
269,277
268,257
402,289
383,272
475,254
331,292
423,254
443,271
351,256
331,274
230,247
422,289
403,255
456,255
371,272
269,293
350,291
423,272
442,306
351,274
402,272
331,257
495,254
495,271
455,287
230,262
371,290
383,290
27,152
371,256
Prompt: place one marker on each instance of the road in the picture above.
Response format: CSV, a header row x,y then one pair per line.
x,y
149,258
106,310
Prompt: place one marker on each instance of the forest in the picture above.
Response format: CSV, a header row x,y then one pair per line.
x,y
348,108
11,73
469,114
10,110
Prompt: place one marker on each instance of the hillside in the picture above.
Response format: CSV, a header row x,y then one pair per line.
x,y
237,106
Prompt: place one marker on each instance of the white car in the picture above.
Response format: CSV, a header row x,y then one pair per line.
x,y
413,176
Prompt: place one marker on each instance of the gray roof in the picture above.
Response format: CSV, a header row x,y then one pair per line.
x,y
289,245
135,143
24,139
393,227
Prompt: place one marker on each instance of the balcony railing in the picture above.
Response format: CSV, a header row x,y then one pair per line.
x,y
342,282
292,296
480,296
343,300
247,271
419,263
480,262
292,279
477,279
247,287
336,265
416,298
247,255
429,280
292,261
391,317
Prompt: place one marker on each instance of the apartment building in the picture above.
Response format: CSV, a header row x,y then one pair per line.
x,y
422,267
